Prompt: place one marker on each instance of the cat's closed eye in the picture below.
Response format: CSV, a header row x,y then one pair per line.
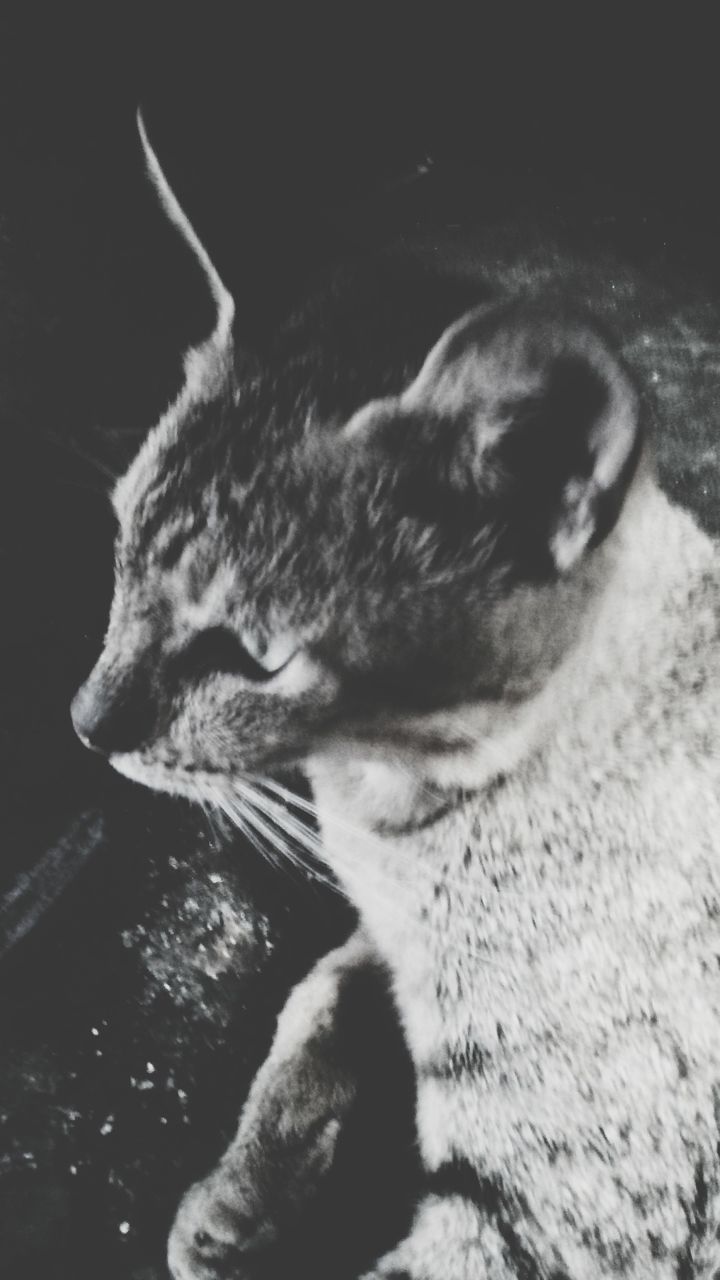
x,y
217,650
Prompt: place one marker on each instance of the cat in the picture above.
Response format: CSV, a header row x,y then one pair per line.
x,y
418,547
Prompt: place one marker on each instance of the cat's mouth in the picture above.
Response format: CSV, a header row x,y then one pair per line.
x,y
175,779
194,782
277,820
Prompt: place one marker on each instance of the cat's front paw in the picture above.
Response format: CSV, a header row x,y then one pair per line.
x,y
215,1235
231,1224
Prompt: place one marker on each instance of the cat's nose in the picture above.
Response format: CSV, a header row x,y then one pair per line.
x,y
111,720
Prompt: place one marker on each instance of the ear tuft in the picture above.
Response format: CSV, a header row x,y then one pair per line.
x,y
208,367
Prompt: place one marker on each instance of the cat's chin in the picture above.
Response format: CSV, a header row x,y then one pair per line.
x,y
156,776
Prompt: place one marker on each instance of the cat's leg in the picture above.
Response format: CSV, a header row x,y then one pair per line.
x,y
288,1131
453,1238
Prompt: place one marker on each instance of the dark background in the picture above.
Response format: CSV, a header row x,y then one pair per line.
x,y
134,1011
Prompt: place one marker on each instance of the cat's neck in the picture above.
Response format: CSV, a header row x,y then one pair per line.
x,y
645,610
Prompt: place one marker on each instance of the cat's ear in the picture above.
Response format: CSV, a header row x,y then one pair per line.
x,y
209,366
522,416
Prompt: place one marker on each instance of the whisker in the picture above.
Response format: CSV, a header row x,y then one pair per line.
x,y
376,879
350,828
216,836
382,876
291,796
309,836
278,824
265,824
239,821
269,838
69,445
420,870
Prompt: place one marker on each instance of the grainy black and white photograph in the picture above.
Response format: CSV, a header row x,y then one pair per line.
x,y
360,644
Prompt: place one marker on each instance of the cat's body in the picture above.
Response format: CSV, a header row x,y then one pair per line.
x,y
449,585
553,939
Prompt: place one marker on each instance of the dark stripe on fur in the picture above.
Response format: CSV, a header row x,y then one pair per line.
x,y
456,800
697,1216
455,1064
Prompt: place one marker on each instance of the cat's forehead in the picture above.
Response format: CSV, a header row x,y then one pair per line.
x,y
213,516
198,572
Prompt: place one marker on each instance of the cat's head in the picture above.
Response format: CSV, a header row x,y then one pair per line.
x,y
290,581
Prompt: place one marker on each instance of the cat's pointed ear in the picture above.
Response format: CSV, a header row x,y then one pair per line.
x,y
209,366
523,417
